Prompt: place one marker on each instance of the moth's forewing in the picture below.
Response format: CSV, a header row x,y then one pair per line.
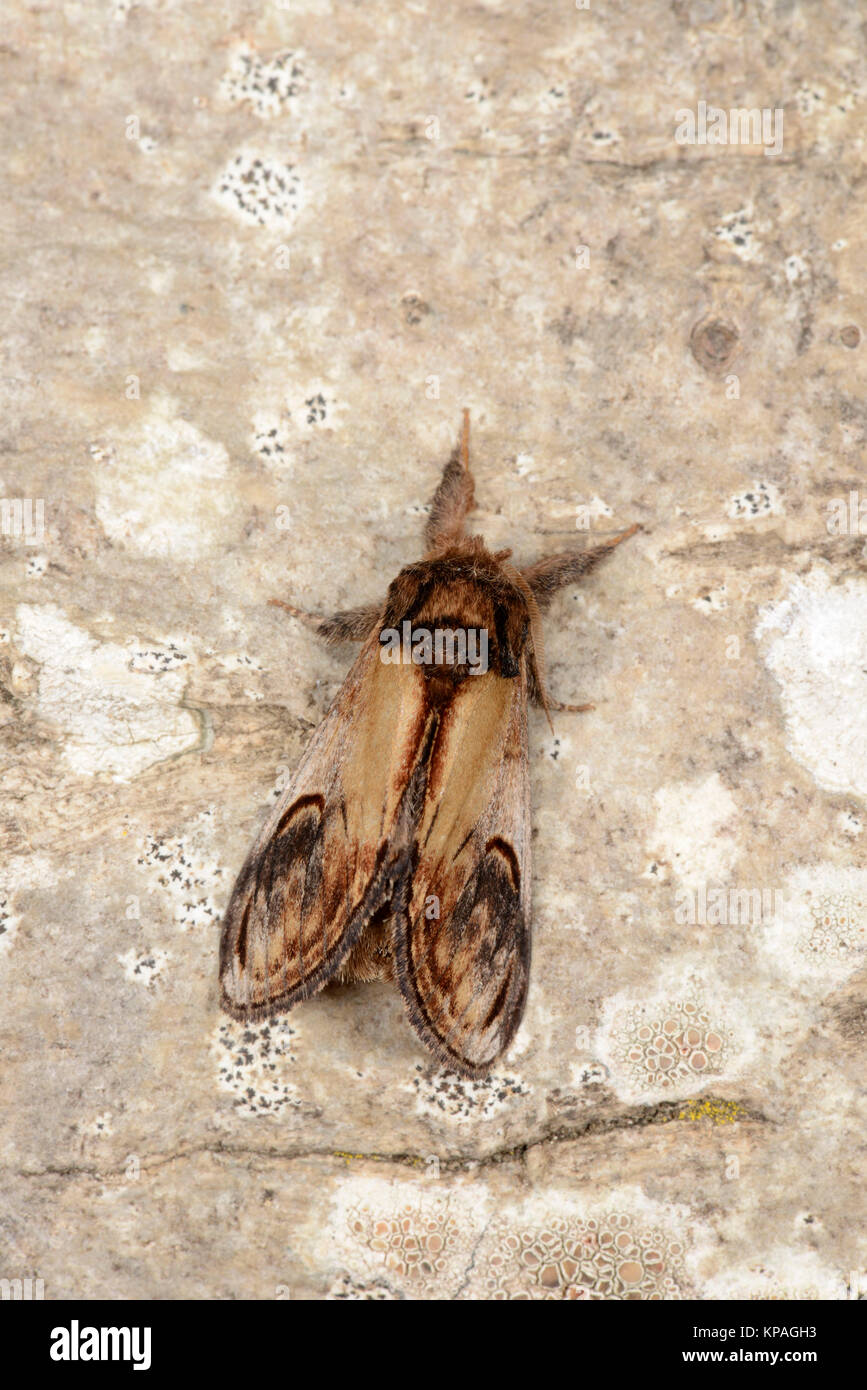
x,y
462,945
322,865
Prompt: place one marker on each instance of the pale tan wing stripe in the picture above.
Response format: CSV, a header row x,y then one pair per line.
x,y
464,974
311,880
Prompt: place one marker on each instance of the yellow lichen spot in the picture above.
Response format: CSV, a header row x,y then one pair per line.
x,y
719,1112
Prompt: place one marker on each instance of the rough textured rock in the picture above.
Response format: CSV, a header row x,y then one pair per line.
x,y
254,267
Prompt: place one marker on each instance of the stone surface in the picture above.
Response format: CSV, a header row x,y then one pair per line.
x,y
257,257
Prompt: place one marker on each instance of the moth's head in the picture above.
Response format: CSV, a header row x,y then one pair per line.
x,y
469,604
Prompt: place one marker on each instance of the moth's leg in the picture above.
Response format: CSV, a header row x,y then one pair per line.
x,y
556,571
349,625
454,496
544,579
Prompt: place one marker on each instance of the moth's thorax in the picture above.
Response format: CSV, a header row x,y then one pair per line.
x,y
461,589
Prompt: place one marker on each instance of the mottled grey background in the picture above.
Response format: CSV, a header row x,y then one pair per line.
x,y
256,258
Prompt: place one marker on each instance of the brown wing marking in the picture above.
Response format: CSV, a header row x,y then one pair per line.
x,y
328,858
464,974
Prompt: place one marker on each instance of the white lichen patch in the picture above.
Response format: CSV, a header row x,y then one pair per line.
x,y
113,719
254,1062
850,824
413,1244
818,654
239,661
316,407
415,1237
459,1098
36,566
819,935
100,1127
587,1074
182,358
809,98
21,873
552,746
602,135
797,269
479,96
186,868
552,100
737,232
839,925
588,515
268,86
156,658
164,488
758,500
694,830
713,601
260,190
346,1289
144,967
271,439
553,1247
665,1046
783,1274
8,922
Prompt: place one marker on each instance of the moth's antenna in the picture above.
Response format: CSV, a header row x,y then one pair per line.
x,y
465,441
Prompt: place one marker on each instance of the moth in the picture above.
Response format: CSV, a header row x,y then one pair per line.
x,y
400,850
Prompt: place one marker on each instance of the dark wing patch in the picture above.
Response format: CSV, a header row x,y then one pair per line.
x,y
464,977
293,928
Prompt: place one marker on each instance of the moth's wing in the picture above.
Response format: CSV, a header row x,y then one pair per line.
x,y
323,865
463,973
